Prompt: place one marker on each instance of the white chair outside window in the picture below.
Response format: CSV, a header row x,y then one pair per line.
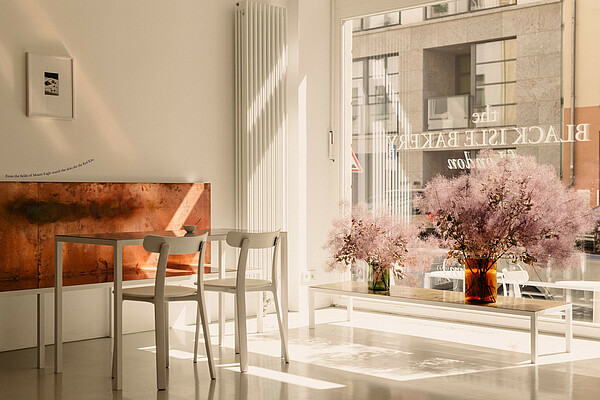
x,y
513,280
160,295
240,285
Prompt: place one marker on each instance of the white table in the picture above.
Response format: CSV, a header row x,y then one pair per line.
x,y
117,241
593,286
448,299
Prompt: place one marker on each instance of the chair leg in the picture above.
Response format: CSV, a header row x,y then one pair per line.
x,y
207,341
282,334
197,332
240,299
167,334
114,361
159,329
236,332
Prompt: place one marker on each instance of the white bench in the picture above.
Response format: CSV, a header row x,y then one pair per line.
x,y
442,298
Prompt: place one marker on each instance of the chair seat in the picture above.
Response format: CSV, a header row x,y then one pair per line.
x,y
147,292
229,283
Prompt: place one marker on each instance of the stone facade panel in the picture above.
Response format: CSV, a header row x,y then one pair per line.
x,y
452,32
527,67
527,113
550,65
550,17
518,22
543,89
550,112
415,60
484,27
424,36
415,81
533,44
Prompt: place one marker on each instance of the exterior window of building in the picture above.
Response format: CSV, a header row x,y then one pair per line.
x,y
375,83
374,92
376,21
453,7
484,4
463,74
495,81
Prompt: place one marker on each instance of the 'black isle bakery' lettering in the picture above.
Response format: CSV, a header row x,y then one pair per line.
x,y
531,135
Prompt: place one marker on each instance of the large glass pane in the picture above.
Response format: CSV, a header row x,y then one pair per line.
x,y
448,112
497,115
483,4
495,94
392,65
496,72
379,21
487,52
510,49
447,8
357,69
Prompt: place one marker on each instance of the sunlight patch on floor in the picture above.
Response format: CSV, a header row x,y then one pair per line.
x,y
289,378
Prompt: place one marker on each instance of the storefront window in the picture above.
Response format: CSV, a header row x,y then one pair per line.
x,y
430,95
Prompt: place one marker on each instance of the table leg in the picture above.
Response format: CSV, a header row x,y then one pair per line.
x,y
569,326
596,307
111,307
41,330
350,308
534,338
221,305
284,285
118,315
427,281
57,307
259,312
311,308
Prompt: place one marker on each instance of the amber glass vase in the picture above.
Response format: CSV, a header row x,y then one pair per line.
x,y
480,280
378,279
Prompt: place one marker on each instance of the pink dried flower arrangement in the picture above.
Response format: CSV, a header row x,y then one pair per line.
x,y
372,236
507,206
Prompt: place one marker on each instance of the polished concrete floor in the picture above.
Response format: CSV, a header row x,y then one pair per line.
x,y
375,356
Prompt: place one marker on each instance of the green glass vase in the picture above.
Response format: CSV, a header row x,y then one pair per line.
x,y
378,278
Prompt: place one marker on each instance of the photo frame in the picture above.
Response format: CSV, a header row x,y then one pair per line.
x,y
50,86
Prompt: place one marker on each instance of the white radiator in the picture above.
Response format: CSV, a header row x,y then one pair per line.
x,y
260,115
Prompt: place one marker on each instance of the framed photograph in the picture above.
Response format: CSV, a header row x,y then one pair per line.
x,y
50,87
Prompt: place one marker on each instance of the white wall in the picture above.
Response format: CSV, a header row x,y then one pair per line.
x,y
154,103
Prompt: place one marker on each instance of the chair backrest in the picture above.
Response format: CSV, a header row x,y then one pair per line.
x,y
452,272
165,245
253,240
514,278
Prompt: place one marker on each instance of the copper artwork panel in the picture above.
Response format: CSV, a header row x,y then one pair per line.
x,y
31,213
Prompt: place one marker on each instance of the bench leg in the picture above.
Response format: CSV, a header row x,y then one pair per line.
x,y
596,307
311,309
534,338
350,308
41,330
569,327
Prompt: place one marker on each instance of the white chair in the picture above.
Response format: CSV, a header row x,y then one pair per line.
x,y
160,295
514,279
240,285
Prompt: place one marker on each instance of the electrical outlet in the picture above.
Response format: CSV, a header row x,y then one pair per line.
x,y
308,276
